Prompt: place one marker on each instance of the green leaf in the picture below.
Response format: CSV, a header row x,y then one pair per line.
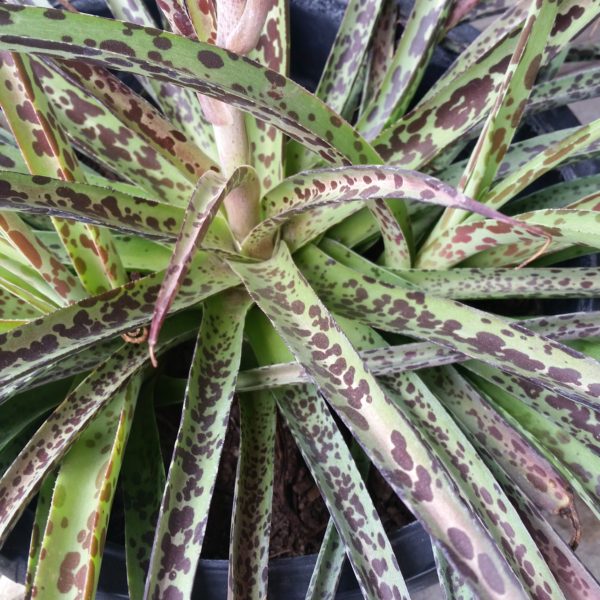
x,y
335,473
510,246
387,437
199,66
69,563
193,470
210,192
42,510
47,152
541,163
253,497
42,342
58,433
137,254
404,73
418,355
509,104
445,114
140,116
555,196
347,52
567,429
265,141
496,441
477,334
179,105
104,138
451,581
143,482
304,203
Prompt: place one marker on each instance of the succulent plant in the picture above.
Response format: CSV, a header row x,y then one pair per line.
x,y
332,254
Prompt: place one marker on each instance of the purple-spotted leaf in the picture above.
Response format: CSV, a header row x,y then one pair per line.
x,y
464,283
484,336
473,479
69,563
143,481
497,441
40,520
210,192
199,66
467,93
407,67
139,115
46,151
307,204
195,461
347,53
265,141
453,584
39,344
337,475
253,498
510,101
374,418
421,355
58,433
565,226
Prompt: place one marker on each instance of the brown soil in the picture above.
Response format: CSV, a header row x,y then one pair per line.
x,y
299,515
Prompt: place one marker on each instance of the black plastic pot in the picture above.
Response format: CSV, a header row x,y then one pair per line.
x,y
288,577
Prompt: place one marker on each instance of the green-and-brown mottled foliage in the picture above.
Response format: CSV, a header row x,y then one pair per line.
x,y
367,266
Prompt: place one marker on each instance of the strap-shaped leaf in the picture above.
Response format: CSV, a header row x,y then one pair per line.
x,y
576,436
509,246
510,101
347,52
139,115
179,105
137,254
390,441
199,66
451,581
403,75
15,308
71,551
266,142
573,577
106,140
316,192
193,470
464,283
513,410
475,481
484,336
58,433
42,510
27,349
472,477
381,51
440,119
211,191
336,474
46,151
460,284
62,284
143,482
253,497
420,355
89,203
497,441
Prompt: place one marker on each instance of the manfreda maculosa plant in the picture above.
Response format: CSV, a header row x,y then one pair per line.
x,y
337,245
